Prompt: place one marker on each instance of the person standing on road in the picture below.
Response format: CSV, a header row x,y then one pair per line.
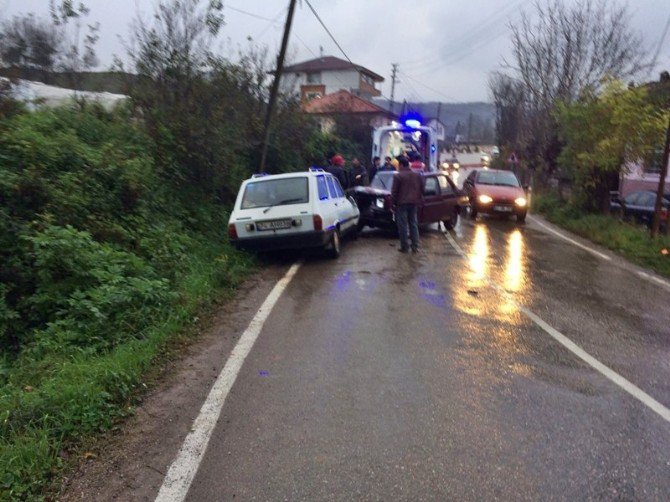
x,y
407,196
336,168
376,164
359,175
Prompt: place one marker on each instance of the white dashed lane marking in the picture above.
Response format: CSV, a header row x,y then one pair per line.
x,y
566,342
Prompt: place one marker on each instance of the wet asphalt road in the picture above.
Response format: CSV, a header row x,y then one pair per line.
x,y
383,376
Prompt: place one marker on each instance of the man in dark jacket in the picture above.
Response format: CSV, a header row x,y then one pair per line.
x,y
407,194
376,164
359,175
336,168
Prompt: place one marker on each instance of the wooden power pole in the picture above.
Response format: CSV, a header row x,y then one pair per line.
x,y
275,84
394,81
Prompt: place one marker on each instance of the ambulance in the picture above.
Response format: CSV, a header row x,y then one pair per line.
x,y
409,137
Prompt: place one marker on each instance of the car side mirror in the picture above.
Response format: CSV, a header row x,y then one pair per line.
x,y
526,187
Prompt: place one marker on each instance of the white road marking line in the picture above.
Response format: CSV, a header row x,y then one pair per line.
x,y
650,277
185,466
644,275
571,241
604,370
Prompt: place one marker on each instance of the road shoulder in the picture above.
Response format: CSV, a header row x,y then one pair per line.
x,y
543,225
130,462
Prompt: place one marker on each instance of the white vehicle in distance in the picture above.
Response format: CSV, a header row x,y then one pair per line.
x,y
292,211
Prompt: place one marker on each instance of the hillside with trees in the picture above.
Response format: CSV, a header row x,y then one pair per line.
x,y
112,223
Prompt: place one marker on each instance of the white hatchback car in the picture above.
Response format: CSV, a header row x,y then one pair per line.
x,y
292,211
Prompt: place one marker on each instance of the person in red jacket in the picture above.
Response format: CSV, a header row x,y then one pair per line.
x,y
407,195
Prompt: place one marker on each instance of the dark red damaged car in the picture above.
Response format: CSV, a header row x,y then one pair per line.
x,y
442,201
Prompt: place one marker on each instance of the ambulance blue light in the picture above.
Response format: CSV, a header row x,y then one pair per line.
x,y
413,123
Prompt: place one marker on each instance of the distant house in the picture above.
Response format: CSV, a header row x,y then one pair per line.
x,y
325,75
640,176
645,176
346,104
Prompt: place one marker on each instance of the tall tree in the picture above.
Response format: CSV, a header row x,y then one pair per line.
x,y
78,53
561,50
509,100
30,43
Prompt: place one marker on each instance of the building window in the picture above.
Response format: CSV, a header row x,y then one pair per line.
x,y
312,95
314,78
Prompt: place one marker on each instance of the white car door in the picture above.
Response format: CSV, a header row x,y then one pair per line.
x,y
327,201
338,201
348,211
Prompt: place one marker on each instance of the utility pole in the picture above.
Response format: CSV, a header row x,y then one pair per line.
x,y
394,81
470,128
275,84
439,110
661,186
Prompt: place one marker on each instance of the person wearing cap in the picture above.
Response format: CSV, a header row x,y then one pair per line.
x,y
336,168
407,196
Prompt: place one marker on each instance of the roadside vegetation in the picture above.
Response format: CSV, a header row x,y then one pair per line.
x,y
630,241
112,223
568,105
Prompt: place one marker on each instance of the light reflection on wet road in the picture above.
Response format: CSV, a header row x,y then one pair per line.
x,y
395,377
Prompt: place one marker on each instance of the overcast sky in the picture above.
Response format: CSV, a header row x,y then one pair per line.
x,y
445,49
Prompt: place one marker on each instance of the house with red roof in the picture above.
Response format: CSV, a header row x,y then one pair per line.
x,y
325,75
331,107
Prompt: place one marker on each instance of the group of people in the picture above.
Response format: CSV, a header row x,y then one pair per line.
x,y
349,177
357,174
407,191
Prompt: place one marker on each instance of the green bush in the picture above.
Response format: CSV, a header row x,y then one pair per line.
x,y
103,259
631,241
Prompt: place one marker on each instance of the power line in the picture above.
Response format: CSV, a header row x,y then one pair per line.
x,y
459,57
451,98
273,22
328,31
412,89
464,45
250,13
660,44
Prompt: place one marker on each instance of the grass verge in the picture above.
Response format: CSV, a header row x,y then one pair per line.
x,y
630,241
86,394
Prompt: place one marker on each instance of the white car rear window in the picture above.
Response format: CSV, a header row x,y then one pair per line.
x,y
276,192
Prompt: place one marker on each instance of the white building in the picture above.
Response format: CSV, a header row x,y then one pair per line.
x,y
325,75
37,94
